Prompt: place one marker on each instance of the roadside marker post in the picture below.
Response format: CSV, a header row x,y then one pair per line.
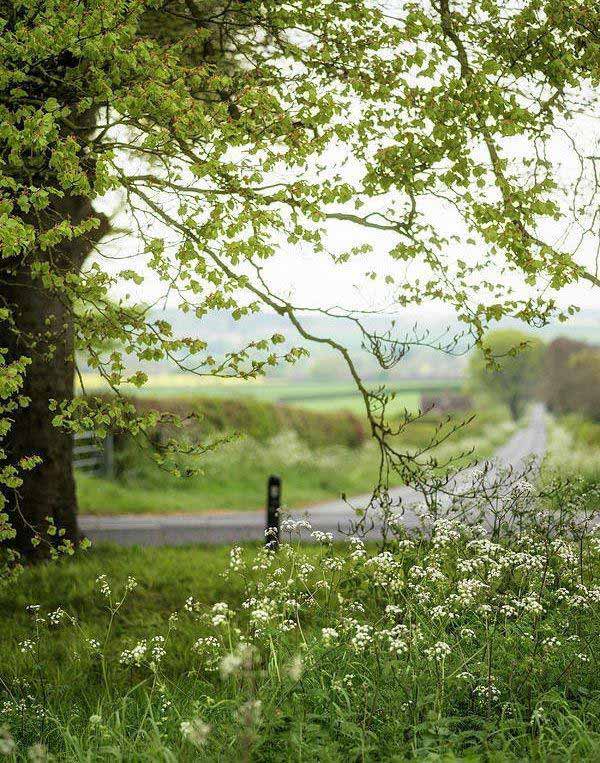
x,y
273,506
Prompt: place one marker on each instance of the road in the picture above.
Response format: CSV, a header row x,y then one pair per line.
x,y
527,443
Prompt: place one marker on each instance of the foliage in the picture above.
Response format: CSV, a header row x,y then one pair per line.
x,y
260,420
447,640
217,127
570,378
513,375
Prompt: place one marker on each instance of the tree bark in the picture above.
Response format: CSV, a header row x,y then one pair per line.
x,y
45,335
43,330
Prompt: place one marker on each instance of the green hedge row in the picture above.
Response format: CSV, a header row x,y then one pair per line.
x,y
261,420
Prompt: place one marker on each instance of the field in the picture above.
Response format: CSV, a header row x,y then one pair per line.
x,y
234,476
322,396
443,647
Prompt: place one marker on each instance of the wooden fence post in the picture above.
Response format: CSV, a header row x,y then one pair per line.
x,y
273,506
109,456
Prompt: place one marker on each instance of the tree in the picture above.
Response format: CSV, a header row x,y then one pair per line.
x,y
557,376
585,367
570,378
225,129
514,374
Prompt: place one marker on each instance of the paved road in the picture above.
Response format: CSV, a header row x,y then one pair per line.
x,y
527,443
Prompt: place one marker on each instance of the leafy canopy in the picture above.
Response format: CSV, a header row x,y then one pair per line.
x,y
228,131
514,378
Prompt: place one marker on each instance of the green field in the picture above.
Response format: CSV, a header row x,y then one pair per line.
x,y
322,396
234,476
326,653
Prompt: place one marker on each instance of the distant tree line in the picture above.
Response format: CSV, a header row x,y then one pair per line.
x,y
571,378
565,374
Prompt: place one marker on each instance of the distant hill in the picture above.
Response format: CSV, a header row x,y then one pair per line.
x,y
224,334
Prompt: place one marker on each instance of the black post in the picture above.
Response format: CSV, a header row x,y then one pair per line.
x,y
273,506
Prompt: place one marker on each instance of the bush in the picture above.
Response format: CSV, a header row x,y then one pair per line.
x,y
260,421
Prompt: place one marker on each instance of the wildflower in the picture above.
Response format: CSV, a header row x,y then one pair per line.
x,y
486,692
235,559
56,617
7,743
329,635
358,548
332,563
95,720
304,570
551,642
538,716
93,645
191,605
295,526
135,655
195,731
220,612
438,652
26,646
398,646
102,582
322,537
296,668
362,637
393,610
259,616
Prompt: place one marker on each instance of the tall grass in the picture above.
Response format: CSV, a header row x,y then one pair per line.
x,y
234,476
443,644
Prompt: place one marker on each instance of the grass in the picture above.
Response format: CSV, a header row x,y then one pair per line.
x,y
443,647
234,477
454,671
320,396
574,448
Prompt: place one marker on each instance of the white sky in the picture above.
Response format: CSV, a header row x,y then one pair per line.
x,y
313,280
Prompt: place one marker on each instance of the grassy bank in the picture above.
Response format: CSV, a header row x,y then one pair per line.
x,y
574,448
234,476
448,646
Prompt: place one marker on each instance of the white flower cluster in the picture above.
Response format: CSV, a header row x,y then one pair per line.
x,y
195,731
149,652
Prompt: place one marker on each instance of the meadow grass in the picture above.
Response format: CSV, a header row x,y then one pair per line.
x,y
234,476
446,645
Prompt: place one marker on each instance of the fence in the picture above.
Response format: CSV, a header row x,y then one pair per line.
x,y
94,455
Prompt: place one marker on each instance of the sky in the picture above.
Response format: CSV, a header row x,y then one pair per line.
x,y
315,281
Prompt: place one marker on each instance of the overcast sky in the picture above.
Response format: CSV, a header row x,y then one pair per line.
x,y
313,280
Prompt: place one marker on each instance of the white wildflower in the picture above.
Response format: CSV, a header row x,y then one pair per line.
x,y
195,731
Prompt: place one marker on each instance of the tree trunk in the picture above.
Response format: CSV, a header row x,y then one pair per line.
x,y
44,333
43,330
514,405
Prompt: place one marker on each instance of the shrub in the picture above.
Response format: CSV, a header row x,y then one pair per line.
x,y
260,420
